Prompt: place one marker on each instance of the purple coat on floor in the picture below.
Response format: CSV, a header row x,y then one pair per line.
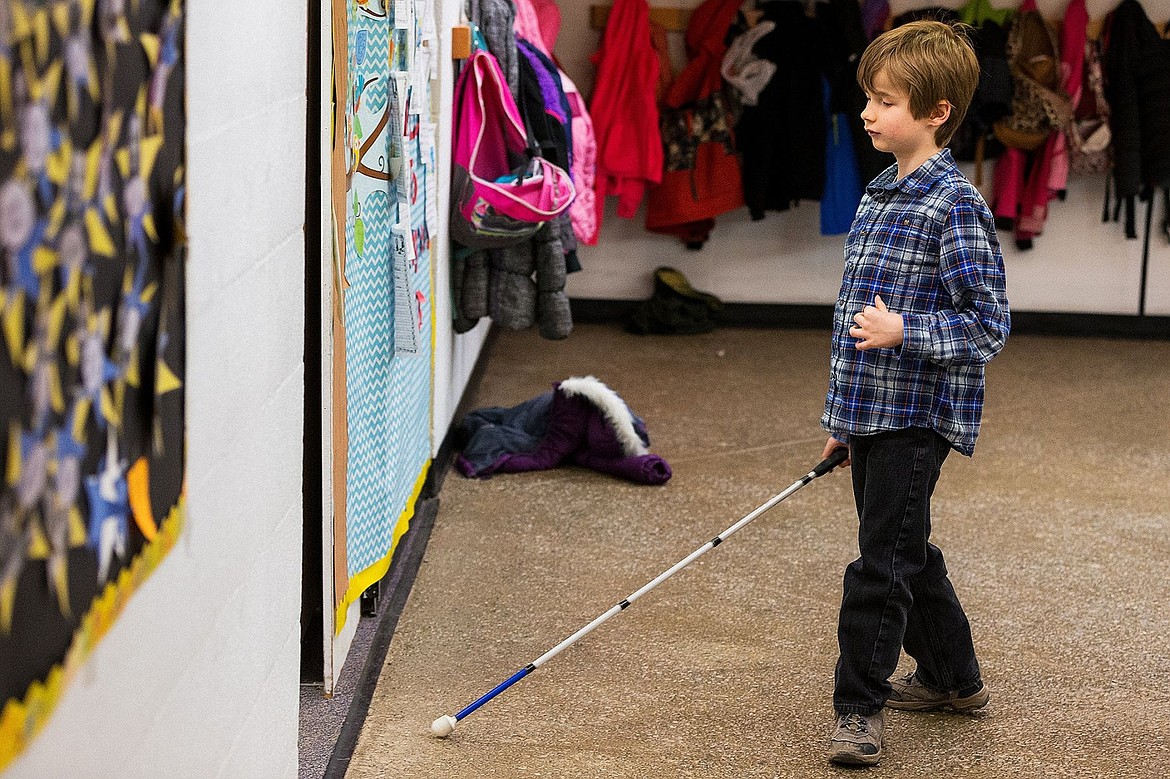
x,y
581,422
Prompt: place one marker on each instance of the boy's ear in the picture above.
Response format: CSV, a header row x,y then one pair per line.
x,y
940,113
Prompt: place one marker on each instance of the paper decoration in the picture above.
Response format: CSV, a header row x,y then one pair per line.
x,y
405,330
387,260
92,129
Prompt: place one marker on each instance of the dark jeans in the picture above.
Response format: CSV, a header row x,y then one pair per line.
x,y
897,593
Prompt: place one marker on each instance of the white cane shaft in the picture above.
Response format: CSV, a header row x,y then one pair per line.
x,y
568,642
683,563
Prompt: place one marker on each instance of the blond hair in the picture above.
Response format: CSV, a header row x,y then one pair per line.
x,y
932,61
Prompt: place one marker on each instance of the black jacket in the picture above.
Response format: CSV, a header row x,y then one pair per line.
x,y
782,138
1137,83
846,27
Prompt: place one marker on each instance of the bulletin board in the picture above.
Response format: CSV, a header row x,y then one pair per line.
x,y
384,279
92,330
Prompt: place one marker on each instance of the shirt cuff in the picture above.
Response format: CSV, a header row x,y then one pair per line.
x,y
915,337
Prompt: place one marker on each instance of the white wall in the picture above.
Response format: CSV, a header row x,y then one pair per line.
x,y
1077,265
199,677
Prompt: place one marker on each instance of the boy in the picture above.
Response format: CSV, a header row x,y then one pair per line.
x,y
922,308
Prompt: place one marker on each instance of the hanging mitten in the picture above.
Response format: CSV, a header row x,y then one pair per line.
x,y
552,304
460,322
512,292
473,297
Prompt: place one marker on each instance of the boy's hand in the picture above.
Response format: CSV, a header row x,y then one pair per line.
x,y
832,444
876,326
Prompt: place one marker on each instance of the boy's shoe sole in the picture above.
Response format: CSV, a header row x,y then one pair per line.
x,y
937,701
854,759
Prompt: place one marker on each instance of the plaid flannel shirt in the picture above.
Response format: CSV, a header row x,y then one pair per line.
x,y
927,245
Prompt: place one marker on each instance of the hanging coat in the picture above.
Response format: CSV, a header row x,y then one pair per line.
x,y
701,179
624,111
548,17
974,139
1137,84
528,27
1023,176
847,37
583,212
544,105
548,118
495,19
875,16
743,71
1073,34
842,193
782,138
523,284
583,150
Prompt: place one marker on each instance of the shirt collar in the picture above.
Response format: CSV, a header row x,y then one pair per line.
x,y
918,182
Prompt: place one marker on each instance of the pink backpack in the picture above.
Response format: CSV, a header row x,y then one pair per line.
x,y
501,193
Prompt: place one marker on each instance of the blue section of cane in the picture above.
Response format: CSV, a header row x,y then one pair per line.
x,y
499,688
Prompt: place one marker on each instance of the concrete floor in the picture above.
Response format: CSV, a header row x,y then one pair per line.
x,y
1057,534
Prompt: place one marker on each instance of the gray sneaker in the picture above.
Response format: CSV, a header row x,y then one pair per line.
x,y
909,694
857,739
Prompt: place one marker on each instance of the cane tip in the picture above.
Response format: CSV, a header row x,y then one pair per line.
x,y
443,726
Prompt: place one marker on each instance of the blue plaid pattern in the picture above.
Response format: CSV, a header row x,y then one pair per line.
x,y
927,245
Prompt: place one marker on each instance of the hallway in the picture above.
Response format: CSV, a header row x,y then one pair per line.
x,y
1057,533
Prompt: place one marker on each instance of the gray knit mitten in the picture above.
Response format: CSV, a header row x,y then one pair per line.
x,y
552,304
460,322
473,300
511,290
565,229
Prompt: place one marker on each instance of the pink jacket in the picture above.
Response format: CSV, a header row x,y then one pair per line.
x,y
1073,34
548,15
527,26
539,22
583,212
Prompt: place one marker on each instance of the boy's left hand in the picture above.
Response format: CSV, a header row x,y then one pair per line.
x,y
876,326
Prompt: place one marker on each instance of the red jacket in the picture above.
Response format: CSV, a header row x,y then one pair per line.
x,y
706,31
686,201
625,115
